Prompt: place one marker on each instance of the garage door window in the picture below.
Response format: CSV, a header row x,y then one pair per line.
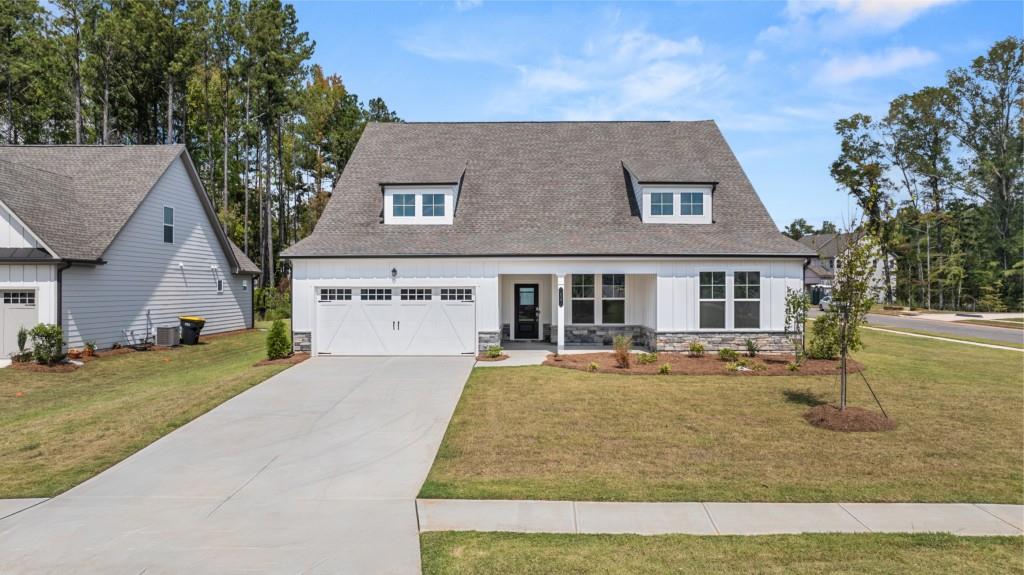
x,y
375,294
335,294
416,294
457,294
20,297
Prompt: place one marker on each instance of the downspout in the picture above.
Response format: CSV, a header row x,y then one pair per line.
x,y
60,293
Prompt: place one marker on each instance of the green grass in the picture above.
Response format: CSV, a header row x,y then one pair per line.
x,y
951,336
539,554
59,429
550,433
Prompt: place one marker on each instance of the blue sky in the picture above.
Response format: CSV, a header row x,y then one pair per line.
x,y
775,76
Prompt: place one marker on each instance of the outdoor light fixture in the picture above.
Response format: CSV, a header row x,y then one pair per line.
x,y
394,273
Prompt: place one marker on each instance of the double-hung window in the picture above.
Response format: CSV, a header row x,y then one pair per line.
x,y
433,205
661,204
168,225
712,300
613,298
404,205
691,204
582,298
747,300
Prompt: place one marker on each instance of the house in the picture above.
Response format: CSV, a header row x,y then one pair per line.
x,y
820,270
112,242
447,238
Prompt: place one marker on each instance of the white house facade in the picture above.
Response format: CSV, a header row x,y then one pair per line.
x,y
112,242
601,229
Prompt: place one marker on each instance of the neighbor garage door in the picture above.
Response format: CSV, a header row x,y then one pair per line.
x,y
17,310
395,321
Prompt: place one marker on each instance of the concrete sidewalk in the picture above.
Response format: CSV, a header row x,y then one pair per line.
x,y
718,518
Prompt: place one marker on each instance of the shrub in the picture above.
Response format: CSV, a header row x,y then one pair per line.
x,y
665,369
696,349
793,366
593,366
758,367
727,354
646,358
824,342
47,343
622,345
279,345
494,351
90,345
272,303
22,339
752,348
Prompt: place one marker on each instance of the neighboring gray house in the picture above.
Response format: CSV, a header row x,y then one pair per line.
x,y
111,241
445,238
820,270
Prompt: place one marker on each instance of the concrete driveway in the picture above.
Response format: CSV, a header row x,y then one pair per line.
x,y
313,471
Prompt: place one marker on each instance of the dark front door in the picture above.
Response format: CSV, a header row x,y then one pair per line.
x,y
527,312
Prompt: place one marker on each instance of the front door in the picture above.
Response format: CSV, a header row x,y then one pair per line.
x,y
527,311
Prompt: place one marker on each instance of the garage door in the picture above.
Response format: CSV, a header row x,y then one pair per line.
x,y
17,309
395,321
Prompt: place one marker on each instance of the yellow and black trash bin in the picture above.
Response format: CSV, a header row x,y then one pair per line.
x,y
191,325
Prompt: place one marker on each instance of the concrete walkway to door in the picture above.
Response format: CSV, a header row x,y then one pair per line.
x,y
315,470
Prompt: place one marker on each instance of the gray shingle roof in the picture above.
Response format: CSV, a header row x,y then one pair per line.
x,y
828,245
544,188
77,198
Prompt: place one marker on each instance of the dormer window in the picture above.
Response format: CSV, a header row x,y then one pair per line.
x,y
419,204
675,203
691,204
661,204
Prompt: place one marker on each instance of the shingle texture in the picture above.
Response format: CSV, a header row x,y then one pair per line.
x,y
829,245
544,188
77,198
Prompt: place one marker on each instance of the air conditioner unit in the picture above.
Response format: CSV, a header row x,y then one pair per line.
x,y
168,336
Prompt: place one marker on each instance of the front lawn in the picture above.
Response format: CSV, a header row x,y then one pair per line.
x,y
59,429
511,553
551,433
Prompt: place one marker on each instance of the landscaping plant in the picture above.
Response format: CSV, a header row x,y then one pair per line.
x,y
646,358
696,349
22,339
752,348
622,345
494,351
797,305
279,345
728,354
47,343
665,369
593,366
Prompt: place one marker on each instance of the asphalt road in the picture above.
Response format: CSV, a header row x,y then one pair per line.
x,y
943,328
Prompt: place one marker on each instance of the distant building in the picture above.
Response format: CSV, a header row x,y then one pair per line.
x,y
820,272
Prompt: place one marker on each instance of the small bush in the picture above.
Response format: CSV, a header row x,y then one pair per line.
x,y
752,348
279,345
622,345
47,343
91,346
758,367
646,358
22,339
494,351
593,366
740,364
727,354
696,349
665,369
792,366
824,341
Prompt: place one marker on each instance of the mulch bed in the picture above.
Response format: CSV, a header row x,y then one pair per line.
x,y
485,357
292,359
683,364
828,416
42,368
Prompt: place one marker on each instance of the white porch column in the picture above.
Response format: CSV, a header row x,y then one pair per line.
x,y
560,296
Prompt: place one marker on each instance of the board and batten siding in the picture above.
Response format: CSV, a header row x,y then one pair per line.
x,y
13,234
143,276
42,278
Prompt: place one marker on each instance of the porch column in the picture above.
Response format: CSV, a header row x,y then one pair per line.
x,y
560,296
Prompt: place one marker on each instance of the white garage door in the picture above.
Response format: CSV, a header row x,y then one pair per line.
x,y
395,321
17,309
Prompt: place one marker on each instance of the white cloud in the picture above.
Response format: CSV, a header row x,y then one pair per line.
x,y
463,5
806,19
551,80
845,69
755,56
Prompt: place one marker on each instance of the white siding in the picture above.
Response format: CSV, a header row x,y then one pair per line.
x,y
660,293
13,234
142,274
39,277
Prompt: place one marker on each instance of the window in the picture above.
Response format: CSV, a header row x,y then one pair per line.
x,y
20,297
691,204
583,298
613,298
433,205
220,286
335,294
712,300
375,294
747,300
168,225
404,205
457,294
416,294
661,204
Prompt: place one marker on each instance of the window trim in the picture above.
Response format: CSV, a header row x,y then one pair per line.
x,y
419,193
724,299
593,298
647,192
333,294
747,287
605,298
168,225
433,204
395,206
661,204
